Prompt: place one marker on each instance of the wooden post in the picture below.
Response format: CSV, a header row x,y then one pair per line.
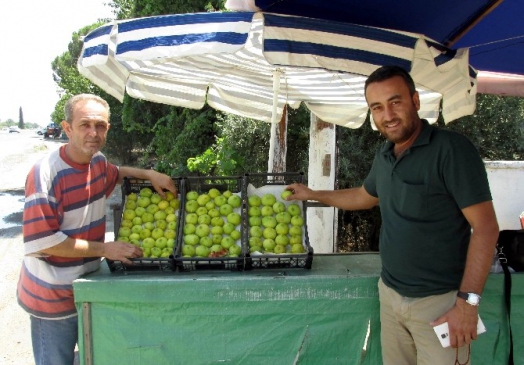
x,y
88,338
322,222
278,145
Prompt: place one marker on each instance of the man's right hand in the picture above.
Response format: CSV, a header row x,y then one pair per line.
x,y
299,192
348,199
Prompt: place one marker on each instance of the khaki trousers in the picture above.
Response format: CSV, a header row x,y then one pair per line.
x,y
406,335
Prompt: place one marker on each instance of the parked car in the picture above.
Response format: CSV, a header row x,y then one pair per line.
x,y
41,131
14,130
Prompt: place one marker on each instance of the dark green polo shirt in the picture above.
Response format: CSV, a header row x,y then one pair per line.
x,y
424,236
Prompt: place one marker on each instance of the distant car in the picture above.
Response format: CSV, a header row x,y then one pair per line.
x,y
52,131
14,130
41,131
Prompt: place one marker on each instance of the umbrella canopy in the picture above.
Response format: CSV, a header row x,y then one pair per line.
x,y
492,29
252,64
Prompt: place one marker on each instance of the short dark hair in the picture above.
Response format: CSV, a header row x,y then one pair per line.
x,y
386,72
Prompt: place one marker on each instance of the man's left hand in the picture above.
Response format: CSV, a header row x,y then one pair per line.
x,y
162,182
462,321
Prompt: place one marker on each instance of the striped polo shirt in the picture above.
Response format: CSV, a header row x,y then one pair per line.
x,y
63,199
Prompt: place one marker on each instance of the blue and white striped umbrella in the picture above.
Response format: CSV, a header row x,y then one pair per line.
x,y
252,64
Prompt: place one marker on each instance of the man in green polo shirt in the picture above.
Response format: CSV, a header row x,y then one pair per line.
x,y
439,228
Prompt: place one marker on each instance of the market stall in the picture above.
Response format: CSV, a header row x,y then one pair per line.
x,y
326,315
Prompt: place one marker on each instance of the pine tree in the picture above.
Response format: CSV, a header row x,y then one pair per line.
x,y
20,119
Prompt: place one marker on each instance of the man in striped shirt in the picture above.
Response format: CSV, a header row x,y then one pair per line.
x,y
64,226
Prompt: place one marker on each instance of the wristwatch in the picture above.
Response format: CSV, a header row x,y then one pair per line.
x,y
470,298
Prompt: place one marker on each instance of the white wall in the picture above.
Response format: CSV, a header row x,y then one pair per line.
x,y
506,180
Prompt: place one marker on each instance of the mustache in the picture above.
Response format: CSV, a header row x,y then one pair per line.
x,y
392,121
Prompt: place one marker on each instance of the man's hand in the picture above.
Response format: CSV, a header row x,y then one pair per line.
x,y
299,192
162,182
121,251
462,321
348,199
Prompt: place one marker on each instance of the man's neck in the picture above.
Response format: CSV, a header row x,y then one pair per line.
x,y
70,153
401,147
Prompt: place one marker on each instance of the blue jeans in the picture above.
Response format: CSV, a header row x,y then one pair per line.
x,y
54,341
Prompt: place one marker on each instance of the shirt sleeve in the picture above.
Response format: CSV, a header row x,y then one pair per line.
x,y
465,174
112,178
370,183
41,217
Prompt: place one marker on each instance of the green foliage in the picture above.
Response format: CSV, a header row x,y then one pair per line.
x,y
357,230
496,128
299,122
122,9
161,7
179,134
356,149
162,136
137,122
218,160
245,139
8,123
243,145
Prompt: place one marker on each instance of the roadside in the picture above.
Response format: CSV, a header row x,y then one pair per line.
x,y
17,156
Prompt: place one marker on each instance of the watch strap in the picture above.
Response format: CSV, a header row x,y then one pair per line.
x,y
465,296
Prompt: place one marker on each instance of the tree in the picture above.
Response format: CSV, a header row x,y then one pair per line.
x,y
122,9
242,145
9,123
166,136
20,119
142,8
496,128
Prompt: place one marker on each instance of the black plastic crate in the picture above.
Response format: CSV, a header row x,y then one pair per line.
x,y
199,256
259,256
152,263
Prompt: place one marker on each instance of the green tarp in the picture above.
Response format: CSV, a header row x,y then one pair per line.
x,y
326,315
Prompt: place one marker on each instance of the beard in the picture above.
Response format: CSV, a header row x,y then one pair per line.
x,y
401,133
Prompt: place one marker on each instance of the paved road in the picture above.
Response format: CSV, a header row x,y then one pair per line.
x,y
18,152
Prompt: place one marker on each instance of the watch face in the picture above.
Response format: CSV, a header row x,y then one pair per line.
x,y
473,299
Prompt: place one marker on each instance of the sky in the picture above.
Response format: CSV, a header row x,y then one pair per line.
x,y
32,34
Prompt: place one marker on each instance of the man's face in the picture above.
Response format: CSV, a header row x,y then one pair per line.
x,y
394,110
88,131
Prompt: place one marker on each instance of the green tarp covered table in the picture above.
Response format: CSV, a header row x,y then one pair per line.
x,y
326,315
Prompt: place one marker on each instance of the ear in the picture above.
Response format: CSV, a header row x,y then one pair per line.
x,y
67,128
416,100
